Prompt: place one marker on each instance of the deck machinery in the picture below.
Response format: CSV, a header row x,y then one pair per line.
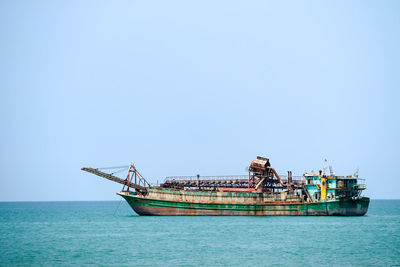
x,y
261,178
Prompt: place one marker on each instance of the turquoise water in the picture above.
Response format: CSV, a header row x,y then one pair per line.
x,y
109,233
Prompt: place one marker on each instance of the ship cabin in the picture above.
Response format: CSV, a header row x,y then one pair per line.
x,y
326,187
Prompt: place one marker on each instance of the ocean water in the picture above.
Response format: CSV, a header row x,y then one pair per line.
x,y
110,233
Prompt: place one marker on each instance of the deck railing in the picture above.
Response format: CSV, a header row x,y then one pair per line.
x,y
206,178
220,177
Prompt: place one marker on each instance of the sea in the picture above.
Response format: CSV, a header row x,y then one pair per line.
x,y
109,233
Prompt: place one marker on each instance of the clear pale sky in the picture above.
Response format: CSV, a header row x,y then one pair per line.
x,y
187,87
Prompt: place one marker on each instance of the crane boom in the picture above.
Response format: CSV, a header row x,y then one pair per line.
x,y
125,182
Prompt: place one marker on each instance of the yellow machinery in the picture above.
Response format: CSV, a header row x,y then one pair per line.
x,y
323,187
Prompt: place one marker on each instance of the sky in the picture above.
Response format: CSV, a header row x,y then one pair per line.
x,y
195,87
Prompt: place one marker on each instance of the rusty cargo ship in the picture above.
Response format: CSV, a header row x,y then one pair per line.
x,y
262,192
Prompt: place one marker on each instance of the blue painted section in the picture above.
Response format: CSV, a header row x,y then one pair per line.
x,y
336,186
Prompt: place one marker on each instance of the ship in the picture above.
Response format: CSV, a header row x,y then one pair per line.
x,y
261,192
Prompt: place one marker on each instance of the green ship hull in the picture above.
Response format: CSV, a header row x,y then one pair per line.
x,y
181,202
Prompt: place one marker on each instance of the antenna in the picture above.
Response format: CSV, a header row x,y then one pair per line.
x,y
356,173
331,170
323,172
